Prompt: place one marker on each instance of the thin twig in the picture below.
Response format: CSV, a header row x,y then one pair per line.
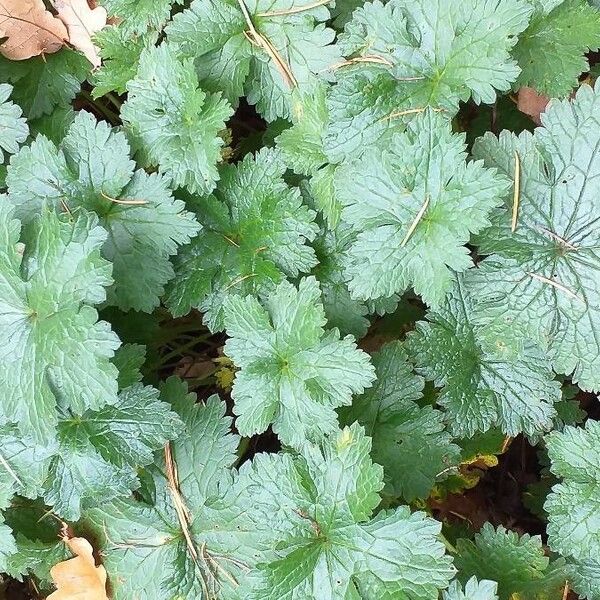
x,y
415,222
126,202
410,111
566,591
239,280
10,470
557,238
232,242
260,40
516,193
371,59
293,11
558,286
183,514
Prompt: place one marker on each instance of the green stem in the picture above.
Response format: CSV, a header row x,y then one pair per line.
x,y
114,101
180,350
451,548
112,117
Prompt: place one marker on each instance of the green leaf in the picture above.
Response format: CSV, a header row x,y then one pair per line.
x,y
322,190
254,234
542,280
302,144
92,169
174,121
54,126
100,451
518,564
43,83
419,53
551,51
328,545
573,504
474,590
13,127
414,206
585,579
129,359
487,378
120,52
37,536
342,311
36,558
410,442
8,546
293,373
213,33
144,547
137,16
24,464
55,353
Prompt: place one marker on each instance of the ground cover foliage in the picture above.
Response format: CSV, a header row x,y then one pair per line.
x,y
300,300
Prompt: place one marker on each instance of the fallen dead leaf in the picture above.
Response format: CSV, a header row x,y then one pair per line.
x,y
30,29
82,22
79,578
531,103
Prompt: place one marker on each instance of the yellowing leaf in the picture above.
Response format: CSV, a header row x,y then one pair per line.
x,y
30,29
82,23
79,578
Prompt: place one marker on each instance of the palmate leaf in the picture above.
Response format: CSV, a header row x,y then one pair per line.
x,y
13,127
302,143
410,442
145,549
92,169
8,546
173,121
137,16
419,53
55,352
288,526
413,206
25,463
551,51
254,234
573,504
99,453
120,53
129,359
343,311
473,590
585,579
543,279
43,83
487,378
217,34
95,456
293,372
37,537
327,544
518,564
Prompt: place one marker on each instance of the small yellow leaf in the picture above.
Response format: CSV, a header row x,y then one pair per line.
x,y
344,439
79,578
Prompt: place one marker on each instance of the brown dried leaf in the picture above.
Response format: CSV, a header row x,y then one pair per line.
x,y
79,578
531,103
30,28
82,23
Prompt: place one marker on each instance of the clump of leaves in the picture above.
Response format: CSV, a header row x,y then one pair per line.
x,y
390,272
